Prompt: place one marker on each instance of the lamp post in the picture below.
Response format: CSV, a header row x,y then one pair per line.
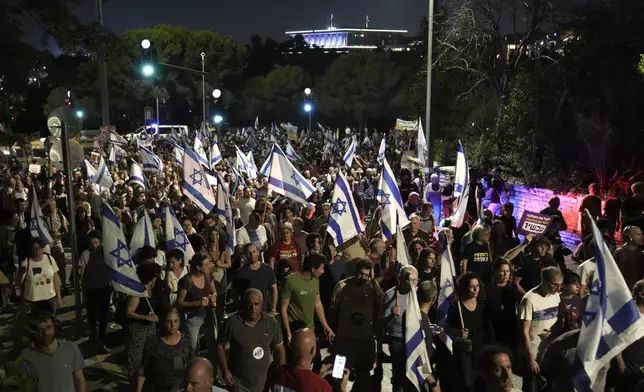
x,y
216,94
308,107
428,110
203,89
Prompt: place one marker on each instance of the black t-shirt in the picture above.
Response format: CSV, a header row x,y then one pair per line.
x,y
530,270
478,260
261,279
594,205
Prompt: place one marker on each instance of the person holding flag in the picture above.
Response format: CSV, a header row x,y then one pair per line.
x,y
388,195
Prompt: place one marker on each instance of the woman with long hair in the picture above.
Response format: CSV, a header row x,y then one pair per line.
x,y
426,266
196,298
142,321
469,327
501,297
175,269
165,358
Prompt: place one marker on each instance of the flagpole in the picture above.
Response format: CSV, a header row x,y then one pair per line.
x,y
428,109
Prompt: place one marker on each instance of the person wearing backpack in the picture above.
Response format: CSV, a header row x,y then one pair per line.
x,y
40,282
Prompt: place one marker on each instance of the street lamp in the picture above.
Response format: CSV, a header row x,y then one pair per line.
x,y
145,44
218,119
148,70
216,93
307,91
79,113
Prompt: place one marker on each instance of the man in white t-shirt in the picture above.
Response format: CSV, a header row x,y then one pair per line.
x,y
253,233
538,311
586,271
246,205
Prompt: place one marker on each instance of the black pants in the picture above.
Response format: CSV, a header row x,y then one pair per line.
x,y
361,356
97,302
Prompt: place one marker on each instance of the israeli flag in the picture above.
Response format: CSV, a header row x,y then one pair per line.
x,y
195,184
225,212
273,133
175,237
417,358
239,181
257,123
91,171
136,175
611,320
143,234
283,177
37,222
116,153
151,162
402,254
215,155
117,255
103,177
290,152
388,196
178,152
200,152
344,221
117,139
447,291
461,187
251,161
350,154
243,165
381,151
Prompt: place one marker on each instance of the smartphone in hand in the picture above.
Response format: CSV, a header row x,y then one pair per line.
x,y
338,366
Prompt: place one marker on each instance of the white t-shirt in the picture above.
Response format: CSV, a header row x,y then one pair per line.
x,y
246,207
39,278
243,237
586,271
173,283
542,312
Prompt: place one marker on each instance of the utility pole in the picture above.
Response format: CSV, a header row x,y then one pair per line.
x,y
428,110
203,90
105,104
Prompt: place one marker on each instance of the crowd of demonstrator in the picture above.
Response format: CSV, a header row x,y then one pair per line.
x,y
266,316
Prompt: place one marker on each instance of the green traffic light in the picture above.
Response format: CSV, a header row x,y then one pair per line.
x,y
148,70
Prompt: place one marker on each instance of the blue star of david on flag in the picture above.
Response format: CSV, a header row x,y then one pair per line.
x,y
34,225
386,197
178,234
339,207
196,177
121,261
294,178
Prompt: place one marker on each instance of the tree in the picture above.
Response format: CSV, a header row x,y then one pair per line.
x,y
278,95
361,86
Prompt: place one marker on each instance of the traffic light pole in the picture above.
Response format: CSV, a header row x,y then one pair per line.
x,y
69,185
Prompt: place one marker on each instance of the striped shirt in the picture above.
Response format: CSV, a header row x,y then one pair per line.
x,y
542,312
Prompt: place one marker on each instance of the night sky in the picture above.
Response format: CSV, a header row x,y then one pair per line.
x,y
243,18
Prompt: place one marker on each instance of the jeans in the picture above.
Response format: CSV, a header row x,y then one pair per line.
x,y
97,302
398,364
195,324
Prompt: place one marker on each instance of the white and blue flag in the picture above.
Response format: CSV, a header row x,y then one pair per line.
x,y
402,254
461,187
257,123
178,152
116,153
175,237
417,358
136,175
225,212
389,198
611,320
195,183
290,152
37,222
350,154
117,139
243,165
91,171
215,155
200,152
103,177
143,234
112,155
344,220
117,255
381,151
447,291
283,177
421,144
151,162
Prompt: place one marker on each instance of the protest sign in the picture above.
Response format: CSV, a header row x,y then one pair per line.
x,y
533,223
